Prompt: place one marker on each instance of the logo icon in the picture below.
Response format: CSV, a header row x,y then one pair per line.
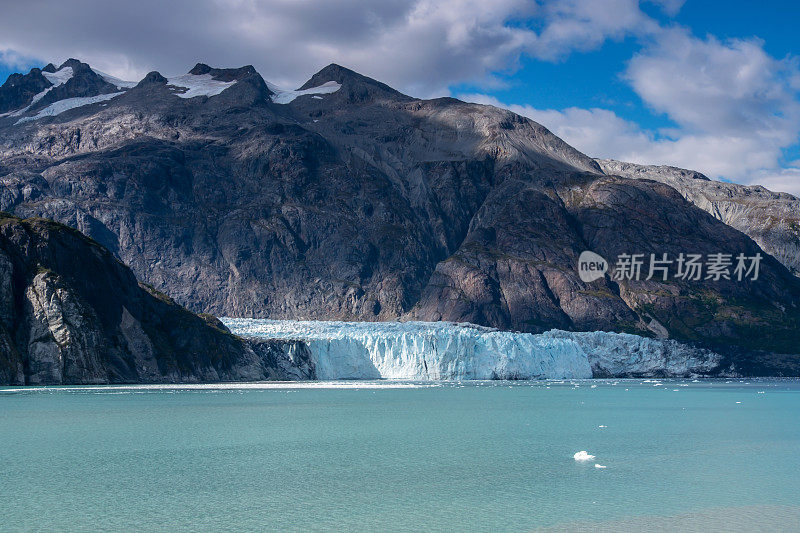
x,y
591,266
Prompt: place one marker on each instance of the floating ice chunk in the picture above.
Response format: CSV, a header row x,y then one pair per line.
x,y
599,466
59,107
582,456
197,85
283,96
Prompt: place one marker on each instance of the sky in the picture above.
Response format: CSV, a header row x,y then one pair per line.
x,y
708,85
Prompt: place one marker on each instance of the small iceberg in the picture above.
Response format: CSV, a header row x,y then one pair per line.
x,y
583,456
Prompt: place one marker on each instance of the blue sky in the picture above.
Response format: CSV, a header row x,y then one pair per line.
x,y
703,84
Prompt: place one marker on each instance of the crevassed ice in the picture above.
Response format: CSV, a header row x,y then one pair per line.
x,y
449,351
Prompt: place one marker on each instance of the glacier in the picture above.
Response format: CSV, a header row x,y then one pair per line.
x,y
59,107
197,85
284,96
450,351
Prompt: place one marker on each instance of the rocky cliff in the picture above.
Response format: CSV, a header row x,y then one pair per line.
x,y
70,312
346,199
771,219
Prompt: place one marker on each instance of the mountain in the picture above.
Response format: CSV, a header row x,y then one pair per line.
x,y
771,219
346,199
70,312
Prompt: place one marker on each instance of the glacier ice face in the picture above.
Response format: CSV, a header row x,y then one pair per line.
x,y
448,351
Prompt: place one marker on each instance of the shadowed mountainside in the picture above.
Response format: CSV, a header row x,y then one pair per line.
x,y
349,200
72,313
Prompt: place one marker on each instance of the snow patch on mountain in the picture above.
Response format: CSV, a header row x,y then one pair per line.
x,y
197,85
283,96
59,77
449,351
59,107
118,83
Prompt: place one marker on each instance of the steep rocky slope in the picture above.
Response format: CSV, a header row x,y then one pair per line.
x,y
771,219
349,200
72,313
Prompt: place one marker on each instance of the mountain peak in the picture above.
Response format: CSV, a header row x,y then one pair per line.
x,y
355,86
225,74
20,89
152,78
200,69
40,88
77,66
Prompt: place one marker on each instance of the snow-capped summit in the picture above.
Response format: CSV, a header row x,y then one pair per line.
x,y
51,91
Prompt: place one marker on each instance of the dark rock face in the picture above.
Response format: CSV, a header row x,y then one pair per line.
x,y
72,313
366,204
152,78
771,219
84,82
19,89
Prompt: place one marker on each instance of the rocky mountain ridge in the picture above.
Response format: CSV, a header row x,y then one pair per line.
x,y
71,313
346,199
771,219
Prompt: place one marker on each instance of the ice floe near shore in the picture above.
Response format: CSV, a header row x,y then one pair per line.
x,y
448,351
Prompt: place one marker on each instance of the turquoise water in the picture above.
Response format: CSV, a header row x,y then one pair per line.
x,y
383,456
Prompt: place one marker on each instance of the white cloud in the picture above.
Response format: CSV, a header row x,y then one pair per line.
x,y
708,85
781,180
670,7
15,60
596,132
737,110
603,133
735,106
585,25
420,46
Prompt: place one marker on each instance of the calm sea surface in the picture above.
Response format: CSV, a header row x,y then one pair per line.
x,y
373,456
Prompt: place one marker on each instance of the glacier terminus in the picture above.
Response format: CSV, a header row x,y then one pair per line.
x,y
461,351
